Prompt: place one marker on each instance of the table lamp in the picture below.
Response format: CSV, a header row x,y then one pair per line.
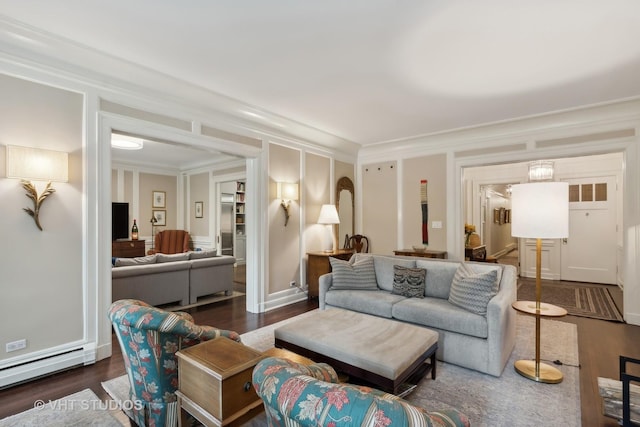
x,y
329,216
539,210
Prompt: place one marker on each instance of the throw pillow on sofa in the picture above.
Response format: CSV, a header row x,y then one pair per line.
x,y
184,256
202,254
122,262
472,291
359,275
409,282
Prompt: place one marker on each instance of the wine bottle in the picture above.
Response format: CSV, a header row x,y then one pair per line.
x,y
134,231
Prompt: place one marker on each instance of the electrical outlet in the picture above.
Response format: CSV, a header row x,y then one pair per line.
x,y
16,345
292,284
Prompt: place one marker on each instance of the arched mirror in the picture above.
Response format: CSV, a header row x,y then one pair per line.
x,y
345,204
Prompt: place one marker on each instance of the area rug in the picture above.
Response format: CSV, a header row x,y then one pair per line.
x,y
203,301
580,299
79,409
489,401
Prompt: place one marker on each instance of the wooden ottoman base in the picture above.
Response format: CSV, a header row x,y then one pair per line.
x,y
368,358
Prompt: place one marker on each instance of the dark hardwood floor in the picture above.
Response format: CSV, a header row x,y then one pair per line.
x,y
600,343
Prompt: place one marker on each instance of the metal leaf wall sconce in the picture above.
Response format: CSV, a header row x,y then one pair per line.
x,y
32,193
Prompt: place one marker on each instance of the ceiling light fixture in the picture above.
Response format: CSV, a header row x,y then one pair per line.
x,y
122,142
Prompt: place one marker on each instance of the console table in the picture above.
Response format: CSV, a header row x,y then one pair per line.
x,y
318,264
425,254
127,248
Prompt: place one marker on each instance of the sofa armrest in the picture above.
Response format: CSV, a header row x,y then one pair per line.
x,y
501,321
324,284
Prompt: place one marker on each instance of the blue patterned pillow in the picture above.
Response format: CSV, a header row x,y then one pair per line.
x,y
472,291
359,275
409,282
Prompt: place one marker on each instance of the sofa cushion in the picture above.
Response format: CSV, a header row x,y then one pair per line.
x,y
142,260
202,254
384,268
379,303
472,291
439,276
440,314
408,282
353,274
173,257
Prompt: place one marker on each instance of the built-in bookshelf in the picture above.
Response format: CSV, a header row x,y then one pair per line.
x,y
239,236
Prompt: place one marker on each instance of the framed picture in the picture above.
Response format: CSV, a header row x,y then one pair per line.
x,y
161,217
159,199
496,216
507,216
199,209
502,215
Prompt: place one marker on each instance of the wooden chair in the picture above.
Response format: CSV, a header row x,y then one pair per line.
x,y
358,243
171,242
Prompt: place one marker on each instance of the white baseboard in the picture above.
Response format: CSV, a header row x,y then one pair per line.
x,y
79,356
284,298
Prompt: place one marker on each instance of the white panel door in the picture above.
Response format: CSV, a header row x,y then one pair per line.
x,y
589,254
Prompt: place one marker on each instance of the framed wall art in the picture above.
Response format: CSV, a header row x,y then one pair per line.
x,y
199,209
161,217
159,199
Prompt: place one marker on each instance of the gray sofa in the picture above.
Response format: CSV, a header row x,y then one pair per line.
x,y
475,341
178,278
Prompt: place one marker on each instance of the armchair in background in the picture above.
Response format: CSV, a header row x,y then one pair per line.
x,y
171,242
293,399
149,339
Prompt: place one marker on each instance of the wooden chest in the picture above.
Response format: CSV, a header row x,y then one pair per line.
x,y
127,248
215,380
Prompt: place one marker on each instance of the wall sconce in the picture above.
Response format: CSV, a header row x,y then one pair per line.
x,y
35,164
286,192
328,217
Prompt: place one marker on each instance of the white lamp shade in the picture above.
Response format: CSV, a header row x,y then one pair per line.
x,y
540,210
286,191
37,164
328,215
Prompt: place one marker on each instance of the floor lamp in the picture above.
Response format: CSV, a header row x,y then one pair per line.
x,y
539,210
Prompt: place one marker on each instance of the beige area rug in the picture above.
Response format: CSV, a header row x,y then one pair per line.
x,y
510,400
79,409
203,301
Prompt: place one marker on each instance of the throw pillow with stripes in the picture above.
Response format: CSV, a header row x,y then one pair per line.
x,y
472,291
360,275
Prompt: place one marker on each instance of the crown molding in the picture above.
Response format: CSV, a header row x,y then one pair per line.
x,y
118,78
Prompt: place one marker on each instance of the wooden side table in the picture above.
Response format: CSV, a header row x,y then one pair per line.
x,y
475,253
318,264
424,254
215,383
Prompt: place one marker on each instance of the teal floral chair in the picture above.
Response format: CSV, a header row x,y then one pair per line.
x,y
149,338
301,395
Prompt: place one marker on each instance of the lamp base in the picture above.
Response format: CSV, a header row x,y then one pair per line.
x,y
546,373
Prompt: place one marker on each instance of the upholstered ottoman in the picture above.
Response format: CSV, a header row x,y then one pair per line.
x,y
382,352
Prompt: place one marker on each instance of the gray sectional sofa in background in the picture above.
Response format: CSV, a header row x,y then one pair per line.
x,y
178,278
468,339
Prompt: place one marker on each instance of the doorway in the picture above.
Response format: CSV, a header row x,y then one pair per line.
x,y
231,224
593,250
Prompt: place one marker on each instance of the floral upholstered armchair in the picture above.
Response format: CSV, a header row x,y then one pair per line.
x,y
149,338
309,395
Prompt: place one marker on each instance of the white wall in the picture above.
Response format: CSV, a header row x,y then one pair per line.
x,y
43,282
